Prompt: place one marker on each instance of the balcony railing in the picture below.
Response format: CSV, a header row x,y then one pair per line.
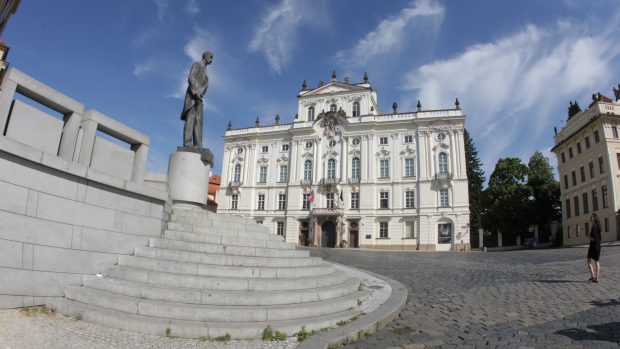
x,y
327,211
306,182
330,180
443,176
234,184
354,180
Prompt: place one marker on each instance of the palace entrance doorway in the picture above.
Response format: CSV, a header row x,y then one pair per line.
x,y
328,236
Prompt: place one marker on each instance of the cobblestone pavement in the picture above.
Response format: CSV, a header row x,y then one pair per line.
x,y
519,299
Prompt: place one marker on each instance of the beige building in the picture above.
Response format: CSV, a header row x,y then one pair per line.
x,y
588,153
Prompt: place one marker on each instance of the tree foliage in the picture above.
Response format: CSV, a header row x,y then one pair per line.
x,y
475,178
545,191
506,201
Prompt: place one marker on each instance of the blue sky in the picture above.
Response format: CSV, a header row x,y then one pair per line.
x,y
514,65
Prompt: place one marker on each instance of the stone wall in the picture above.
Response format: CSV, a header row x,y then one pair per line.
x,y
64,211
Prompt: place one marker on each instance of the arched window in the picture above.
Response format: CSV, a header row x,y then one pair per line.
x,y
331,169
308,170
237,173
443,163
311,114
355,168
356,108
333,107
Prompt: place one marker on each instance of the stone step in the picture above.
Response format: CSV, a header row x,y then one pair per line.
x,y
217,240
224,258
223,221
160,278
191,329
202,269
238,250
193,213
195,312
224,231
215,297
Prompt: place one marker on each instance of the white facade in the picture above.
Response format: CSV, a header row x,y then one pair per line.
x,y
379,180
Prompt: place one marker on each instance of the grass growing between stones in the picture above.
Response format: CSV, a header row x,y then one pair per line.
x,y
30,311
270,335
334,346
304,334
224,338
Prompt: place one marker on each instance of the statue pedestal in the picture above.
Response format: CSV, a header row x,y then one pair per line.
x,y
188,178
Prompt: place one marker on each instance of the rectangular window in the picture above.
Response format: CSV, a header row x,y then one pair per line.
x,y
408,139
234,203
618,159
409,199
563,157
265,148
578,147
410,230
587,142
282,202
383,230
444,233
384,168
601,166
596,137
280,228
285,147
568,211
614,131
329,200
262,177
574,175
384,198
409,168
565,182
283,173
582,172
443,198
576,204
594,200
383,140
355,201
570,152
261,202
605,196
577,230
305,202
591,165
586,207
606,224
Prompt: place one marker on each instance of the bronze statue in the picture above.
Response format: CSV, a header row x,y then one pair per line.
x,y
198,83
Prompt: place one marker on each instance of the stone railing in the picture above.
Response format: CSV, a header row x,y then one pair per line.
x,y
323,211
443,176
330,181
306,182
354,180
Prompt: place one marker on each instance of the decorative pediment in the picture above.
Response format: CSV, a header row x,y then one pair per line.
x,y
408,151
383,153
307,155
330,153
355,152
335,87
262,160
282,158
441,146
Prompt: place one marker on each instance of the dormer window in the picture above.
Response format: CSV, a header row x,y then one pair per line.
x,y
356,108
311,114
333,107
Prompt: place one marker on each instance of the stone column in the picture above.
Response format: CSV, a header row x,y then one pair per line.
x,y
338,231
88,141
69,138
188,178
141,152
481,238
6,100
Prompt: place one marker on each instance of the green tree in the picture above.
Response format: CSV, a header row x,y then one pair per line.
x,y
507,199
475,180
545,191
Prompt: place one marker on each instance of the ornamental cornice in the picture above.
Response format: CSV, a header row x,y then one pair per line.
x,y
262,160
282,159
355,152
382,154
407,151
330,153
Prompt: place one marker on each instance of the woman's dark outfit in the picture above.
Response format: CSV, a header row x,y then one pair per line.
x,y
594,251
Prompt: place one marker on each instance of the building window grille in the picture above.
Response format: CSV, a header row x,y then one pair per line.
x,y
311,114
355,201
409,199
355,168
333,108
605,196
409,167
384,168
262,174
383,230
384,198
280,228
443,163
234,203
265,149
329,200
261,202
285,147
586,208
237,173
308,170
305,202
601,167
282,202
594,200
283,173
331,169
356,108
443,198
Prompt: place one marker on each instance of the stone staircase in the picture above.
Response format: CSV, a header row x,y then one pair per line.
x,y
211,275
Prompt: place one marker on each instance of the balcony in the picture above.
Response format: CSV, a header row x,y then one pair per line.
x,y
354,180
330,181
327,211
234,186
305,182
443,176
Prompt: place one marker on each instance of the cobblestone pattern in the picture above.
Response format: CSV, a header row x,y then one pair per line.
x,y
518,299
39,331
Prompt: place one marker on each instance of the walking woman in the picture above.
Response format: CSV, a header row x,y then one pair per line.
x,y
594,251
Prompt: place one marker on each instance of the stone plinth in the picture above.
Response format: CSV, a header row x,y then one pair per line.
x,y
188,178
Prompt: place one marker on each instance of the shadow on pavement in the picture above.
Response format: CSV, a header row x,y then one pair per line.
x,y
609,332
558,281
606,303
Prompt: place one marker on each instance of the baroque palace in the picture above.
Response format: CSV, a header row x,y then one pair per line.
x,y
343,174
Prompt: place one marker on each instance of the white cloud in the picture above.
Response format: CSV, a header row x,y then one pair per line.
x,y
277,33
515,89
391,33
142,69
162,8
192,7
